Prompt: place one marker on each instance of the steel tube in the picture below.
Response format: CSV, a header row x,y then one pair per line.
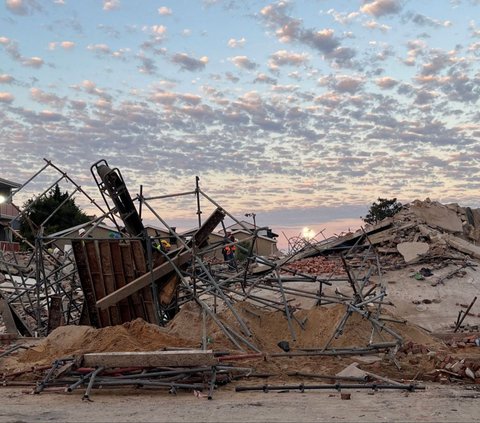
x,y
337,386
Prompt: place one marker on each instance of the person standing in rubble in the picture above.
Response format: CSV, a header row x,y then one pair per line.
x,y
229,252
163,246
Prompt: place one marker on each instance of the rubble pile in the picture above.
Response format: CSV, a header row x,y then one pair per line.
x,y
257,313
427,230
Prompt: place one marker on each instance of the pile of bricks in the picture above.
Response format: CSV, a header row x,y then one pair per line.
x,y
411,348
317,266
467,341
458,368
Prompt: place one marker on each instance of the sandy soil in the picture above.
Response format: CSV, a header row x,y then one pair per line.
x,y
438,403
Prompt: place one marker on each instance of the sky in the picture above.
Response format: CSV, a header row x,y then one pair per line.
x,y
303,112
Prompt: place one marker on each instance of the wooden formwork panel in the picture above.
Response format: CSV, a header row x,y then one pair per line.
x,y
104,266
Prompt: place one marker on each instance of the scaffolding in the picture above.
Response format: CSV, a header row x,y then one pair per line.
x,y
104,282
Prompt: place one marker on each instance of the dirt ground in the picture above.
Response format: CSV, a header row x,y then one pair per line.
x,y
438,403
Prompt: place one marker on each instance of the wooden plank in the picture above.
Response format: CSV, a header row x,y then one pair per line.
x,y
193,358
200,237
97,279
84,317
149,307
145,294
168,290
79,252
7,316
138,257
55,313
120,281
129,271
109,278
143,281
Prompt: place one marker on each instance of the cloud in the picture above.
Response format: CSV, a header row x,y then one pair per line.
x,y
283,57
437,61
109,5
290,30
348,84
386,82
46,98
376,25
261,77
99,49
381,7
147,66
343,18
6,79
66,45
425,97
6,97
164,11
243,62
12,50
425,21
233,43
91,88
189,63
33,62
49,116
22,7
159,31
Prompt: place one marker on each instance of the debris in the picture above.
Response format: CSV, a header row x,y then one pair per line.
x,y
129,310
411,251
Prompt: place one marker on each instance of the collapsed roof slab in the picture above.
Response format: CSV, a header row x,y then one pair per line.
x,y
437,215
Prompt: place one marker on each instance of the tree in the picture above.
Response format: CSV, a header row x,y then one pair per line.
x,y
382,209
243,250
38,210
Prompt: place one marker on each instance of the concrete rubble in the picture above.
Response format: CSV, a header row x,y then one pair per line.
x,y
392,305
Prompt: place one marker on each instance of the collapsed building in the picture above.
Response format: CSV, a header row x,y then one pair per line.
x,y
123,304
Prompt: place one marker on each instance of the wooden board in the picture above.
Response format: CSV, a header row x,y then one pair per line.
x,y
125,305
106,266
55,313
130,275
86,282
96,278
185,358
143,281
105,258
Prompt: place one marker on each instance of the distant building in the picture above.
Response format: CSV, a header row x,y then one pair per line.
x,y
8,212
162,233
99,231
265,244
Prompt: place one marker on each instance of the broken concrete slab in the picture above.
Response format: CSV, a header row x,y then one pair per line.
x,y
368,359
463,245
412,250
151,359
437,215
352,371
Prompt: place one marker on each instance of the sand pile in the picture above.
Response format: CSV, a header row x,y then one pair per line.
x,y
67,341
186,329
270,327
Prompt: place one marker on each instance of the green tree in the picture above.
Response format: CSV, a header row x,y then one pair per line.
x,y
381,209
38,210
243,248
